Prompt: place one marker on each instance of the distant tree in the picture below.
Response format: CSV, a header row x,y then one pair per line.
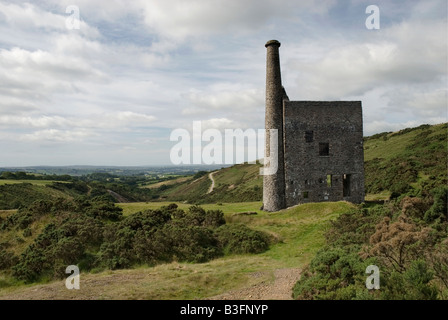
x,y
20,175
8,175
199,174
439,209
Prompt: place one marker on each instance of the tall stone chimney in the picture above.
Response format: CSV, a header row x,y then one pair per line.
x,y
274,184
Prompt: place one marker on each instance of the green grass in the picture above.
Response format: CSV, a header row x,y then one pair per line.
x,y
166,182
299,229
15,238
415,157
388,149
5,213
396,144
298,234
33,182
14,195
238,183
418,148
188,191
385,195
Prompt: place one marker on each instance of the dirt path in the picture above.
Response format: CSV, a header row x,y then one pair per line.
x,y
137,284
279,289
213,182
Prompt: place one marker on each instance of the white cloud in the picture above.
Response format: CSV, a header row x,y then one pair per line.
x,y
222,99
118,121
388,126
164,64
30,17
180,20
55,135
432,103
41,63
30,122
220,124
409,52
15,105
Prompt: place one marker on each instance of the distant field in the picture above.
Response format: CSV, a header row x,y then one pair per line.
x,y
167,183
35,182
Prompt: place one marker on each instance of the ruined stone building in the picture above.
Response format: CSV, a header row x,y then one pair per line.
x,y
320,146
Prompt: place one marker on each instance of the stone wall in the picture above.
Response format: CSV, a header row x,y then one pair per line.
x,y
323,151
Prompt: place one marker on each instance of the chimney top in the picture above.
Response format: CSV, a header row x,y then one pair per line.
x,y
271,43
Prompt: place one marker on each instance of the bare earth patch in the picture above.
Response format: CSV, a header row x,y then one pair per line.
x,y
130,285
279,289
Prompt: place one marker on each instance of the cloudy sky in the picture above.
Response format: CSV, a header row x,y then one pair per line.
x,y
111,91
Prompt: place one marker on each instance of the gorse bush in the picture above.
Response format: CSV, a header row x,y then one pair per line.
x,y
412,284
59,246
241,239
407,239
94,234
439,208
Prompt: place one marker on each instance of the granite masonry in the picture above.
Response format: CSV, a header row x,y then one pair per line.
x,y
320,146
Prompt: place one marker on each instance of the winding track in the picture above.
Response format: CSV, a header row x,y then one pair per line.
x,y
213,182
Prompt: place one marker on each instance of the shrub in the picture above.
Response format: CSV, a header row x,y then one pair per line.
x,y
411,254
197,216
27,232
241,239
398,189
439,209
397,244
101,209
214,218
413,284
58,246
117,249
7,259
80,235
199,174
333,274
438,259
191,243
413,207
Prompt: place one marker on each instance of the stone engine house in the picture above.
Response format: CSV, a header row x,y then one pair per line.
x,y
320,146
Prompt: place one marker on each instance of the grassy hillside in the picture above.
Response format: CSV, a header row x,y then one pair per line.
x,y
167,183
298,234
407,237
15,195
395,163
238,183
408,166
410,159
